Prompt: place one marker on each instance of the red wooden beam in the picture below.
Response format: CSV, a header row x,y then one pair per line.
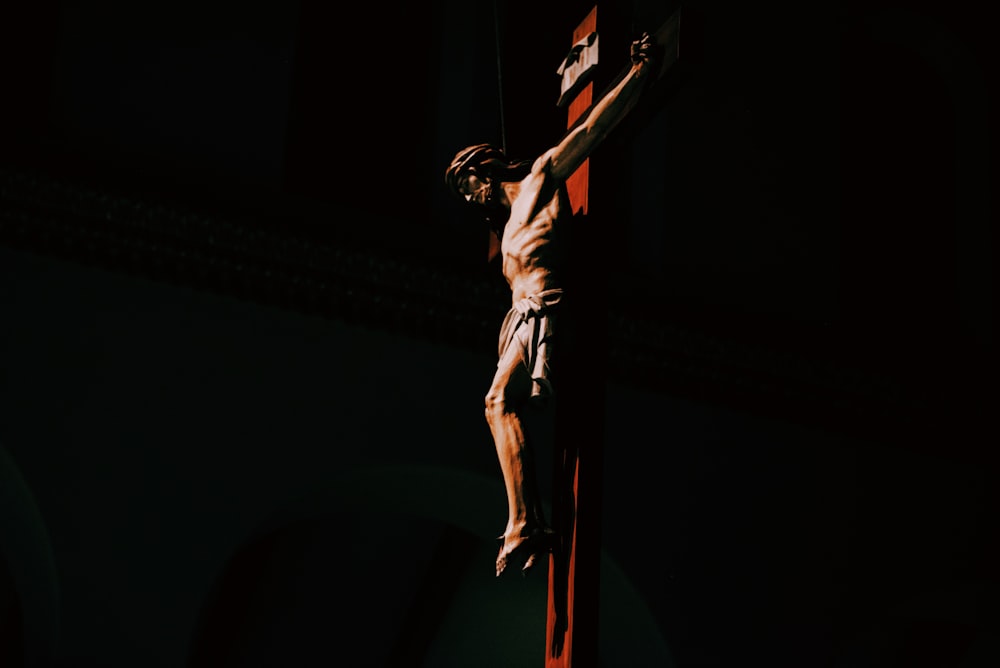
x,y
573,613
571,619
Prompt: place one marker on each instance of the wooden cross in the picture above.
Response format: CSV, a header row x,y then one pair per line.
x,y
571,639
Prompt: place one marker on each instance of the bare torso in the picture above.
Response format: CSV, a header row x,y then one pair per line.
x,y
529,248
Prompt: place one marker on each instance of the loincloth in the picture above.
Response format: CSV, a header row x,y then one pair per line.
x,y
529,325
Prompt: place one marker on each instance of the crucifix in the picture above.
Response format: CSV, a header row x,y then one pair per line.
x,y
531,207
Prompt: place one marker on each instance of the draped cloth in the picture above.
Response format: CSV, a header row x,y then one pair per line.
x,y
527,330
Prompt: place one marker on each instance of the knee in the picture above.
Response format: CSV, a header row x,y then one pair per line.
x,y
496,404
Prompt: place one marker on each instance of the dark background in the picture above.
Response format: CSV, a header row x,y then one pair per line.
x,y
246,332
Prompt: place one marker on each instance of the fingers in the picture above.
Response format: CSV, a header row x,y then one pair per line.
x,y
643,49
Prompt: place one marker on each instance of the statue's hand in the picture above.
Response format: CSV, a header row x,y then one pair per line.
x,y
644,49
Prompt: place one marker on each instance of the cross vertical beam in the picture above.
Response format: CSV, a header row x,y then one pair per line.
x,y
574,586
573,612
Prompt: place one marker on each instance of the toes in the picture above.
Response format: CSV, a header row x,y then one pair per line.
x,y
534,546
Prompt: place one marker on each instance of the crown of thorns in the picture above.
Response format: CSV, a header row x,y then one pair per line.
x,y
468,159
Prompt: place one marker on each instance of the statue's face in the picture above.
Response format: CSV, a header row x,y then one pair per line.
x,y
474,189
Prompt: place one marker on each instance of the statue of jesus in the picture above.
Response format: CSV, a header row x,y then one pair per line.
x,y
526,203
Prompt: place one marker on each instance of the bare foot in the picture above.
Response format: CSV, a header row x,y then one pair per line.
x,y
531,547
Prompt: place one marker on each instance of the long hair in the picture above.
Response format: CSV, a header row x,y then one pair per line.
x,y
485,161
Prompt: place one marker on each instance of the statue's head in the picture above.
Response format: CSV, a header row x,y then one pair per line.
x,y
487,163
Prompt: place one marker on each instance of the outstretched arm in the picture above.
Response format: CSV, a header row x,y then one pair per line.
x,y
563,159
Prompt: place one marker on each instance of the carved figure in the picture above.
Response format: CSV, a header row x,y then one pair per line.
x,y
526,203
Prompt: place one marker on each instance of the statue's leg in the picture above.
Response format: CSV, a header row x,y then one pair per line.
x,y
527,534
